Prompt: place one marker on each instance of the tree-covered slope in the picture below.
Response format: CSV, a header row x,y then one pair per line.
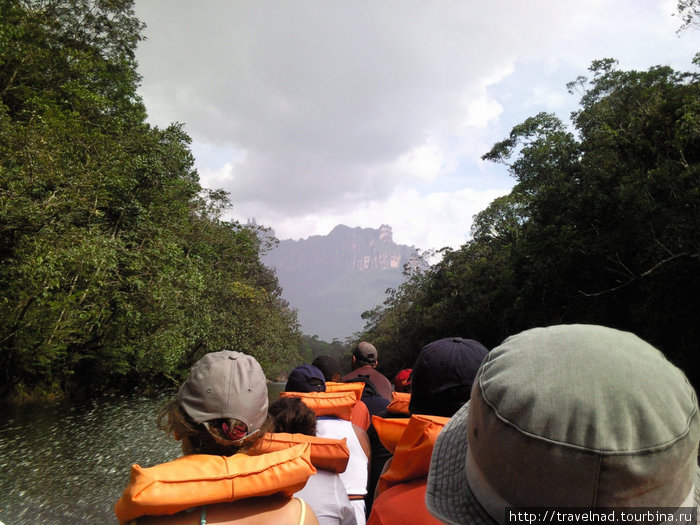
x,y
115,268
602,226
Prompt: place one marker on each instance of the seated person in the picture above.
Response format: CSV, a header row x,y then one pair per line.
x,y
304,379
324,492
364,363
330,368
375,403
569,416
220,411
441,382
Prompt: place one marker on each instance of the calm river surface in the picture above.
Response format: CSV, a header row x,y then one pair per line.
x,y
68,463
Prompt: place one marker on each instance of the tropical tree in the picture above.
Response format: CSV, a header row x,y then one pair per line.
x,y
115,265
689,12
602,225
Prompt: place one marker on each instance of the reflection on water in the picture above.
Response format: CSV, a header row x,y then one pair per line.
x,y
273,390
63,463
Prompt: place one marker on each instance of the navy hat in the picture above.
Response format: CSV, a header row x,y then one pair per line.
x,y
305,378
443,375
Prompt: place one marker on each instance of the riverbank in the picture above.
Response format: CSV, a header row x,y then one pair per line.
x,y
42,394
22,395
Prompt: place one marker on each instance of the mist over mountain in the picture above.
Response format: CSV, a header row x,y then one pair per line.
x,y
331,279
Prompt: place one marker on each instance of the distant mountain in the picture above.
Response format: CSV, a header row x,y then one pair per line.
x,y
331,279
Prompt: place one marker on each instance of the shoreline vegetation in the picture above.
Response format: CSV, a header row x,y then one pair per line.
x,y
118,271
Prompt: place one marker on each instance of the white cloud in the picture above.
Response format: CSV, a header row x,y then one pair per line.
x,y
424,162
429,221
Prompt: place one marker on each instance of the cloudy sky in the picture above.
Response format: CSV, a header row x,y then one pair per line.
x,y
313,113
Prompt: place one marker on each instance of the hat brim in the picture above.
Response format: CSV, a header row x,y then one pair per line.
x,y
448,495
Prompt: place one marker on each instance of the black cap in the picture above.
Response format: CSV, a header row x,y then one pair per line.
x,y
446,366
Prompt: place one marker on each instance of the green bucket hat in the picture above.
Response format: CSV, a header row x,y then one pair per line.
x,y
568,416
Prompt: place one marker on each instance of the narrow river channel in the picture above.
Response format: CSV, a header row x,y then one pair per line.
x,y
67,463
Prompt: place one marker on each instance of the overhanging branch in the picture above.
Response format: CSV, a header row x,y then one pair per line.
x,y
646,273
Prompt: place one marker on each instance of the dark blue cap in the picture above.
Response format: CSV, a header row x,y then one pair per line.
x,y
305,378
444,365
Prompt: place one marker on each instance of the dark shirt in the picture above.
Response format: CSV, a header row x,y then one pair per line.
x,y
376,405
380,455
382,384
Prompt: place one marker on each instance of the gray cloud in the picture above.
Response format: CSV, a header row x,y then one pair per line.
x,y
317,101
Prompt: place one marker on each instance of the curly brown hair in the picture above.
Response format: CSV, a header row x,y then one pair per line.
x,y
290,414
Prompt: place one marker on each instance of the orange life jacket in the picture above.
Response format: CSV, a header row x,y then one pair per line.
x,y
357,388
389,430
326,453
202,479
399,403
412,451
360,413
404,504
336,404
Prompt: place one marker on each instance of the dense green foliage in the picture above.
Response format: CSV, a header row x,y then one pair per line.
x,y
602,226
311,347
115,266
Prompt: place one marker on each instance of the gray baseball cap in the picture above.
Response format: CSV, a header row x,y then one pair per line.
x,y
365,351
223,385
568,416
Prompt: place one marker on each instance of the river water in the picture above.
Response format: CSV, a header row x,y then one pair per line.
x,y
69,463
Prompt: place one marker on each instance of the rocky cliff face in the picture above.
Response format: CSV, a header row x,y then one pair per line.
x,y
331,279
344,249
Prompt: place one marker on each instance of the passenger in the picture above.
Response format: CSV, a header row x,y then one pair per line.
x,y
401,488
335,423
569,416
220,410
324,492
402,380
375,403
441,382
330,367
364,363
305,378
291,415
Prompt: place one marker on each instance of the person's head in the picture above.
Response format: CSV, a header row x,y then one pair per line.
x,y
402,380
221,407
568,416
364,354
290,414
305,378
329,367
443,375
